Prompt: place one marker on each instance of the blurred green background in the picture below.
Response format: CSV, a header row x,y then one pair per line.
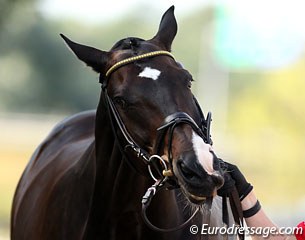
x,y
247,59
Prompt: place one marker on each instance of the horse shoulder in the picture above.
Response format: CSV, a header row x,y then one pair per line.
x,y
53,197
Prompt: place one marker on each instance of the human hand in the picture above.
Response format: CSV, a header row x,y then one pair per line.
x,y
234,177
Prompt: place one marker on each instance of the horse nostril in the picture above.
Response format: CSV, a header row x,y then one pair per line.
x,y
187,172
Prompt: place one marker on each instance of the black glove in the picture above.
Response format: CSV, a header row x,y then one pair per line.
x,y
227,187
233,176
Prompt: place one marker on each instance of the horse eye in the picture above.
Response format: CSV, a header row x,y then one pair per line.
x,y
121,102
189,85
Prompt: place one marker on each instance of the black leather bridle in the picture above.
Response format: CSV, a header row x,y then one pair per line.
x,y
170,123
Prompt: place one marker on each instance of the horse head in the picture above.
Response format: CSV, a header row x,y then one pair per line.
x,y
151,95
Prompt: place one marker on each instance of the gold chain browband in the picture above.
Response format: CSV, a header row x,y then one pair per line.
x,y
136,58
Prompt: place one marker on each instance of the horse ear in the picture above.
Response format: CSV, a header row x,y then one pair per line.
x,y
167,29
93,57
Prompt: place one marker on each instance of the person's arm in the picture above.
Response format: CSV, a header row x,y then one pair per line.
x,y
260,219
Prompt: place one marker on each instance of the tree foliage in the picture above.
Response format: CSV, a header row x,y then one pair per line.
x,y
39,74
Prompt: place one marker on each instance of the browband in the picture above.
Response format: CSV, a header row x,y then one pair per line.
x,y
136,58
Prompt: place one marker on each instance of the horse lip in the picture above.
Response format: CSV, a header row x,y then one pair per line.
x,y
202,198
198,198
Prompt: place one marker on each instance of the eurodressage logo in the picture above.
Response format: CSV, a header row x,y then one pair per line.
x,y
265,232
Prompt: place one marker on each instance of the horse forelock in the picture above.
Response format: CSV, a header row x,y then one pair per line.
x,y
127,43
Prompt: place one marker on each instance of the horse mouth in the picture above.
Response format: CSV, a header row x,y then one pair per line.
x,y
198,189
198,199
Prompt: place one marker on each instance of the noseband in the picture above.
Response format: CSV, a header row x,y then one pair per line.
x,y
153,162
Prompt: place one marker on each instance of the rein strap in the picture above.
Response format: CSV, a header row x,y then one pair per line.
x,y
136,58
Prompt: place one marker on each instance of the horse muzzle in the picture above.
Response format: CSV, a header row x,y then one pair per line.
x,y
196,183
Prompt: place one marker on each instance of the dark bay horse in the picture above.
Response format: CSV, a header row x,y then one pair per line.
x,y
86,180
